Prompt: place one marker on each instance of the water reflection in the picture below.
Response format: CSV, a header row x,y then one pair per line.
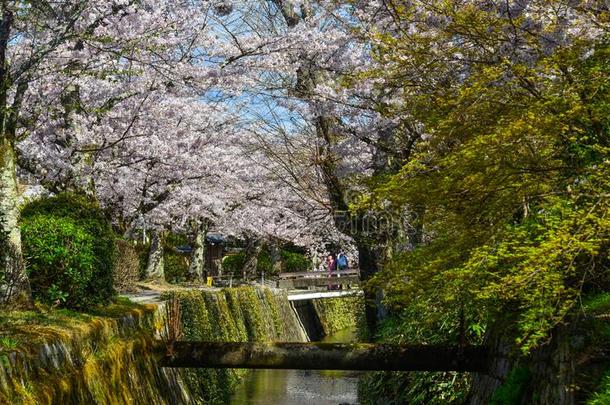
x,y
300,387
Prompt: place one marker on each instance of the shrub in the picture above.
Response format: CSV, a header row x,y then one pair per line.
x,y
264,263
233,263
69,247
176,264
295,261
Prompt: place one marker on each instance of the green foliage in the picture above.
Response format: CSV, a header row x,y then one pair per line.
x,y
597,303
238,315
234,263
418,388
511,392
8,343
602,396
176,264
291,261
69,248
513,179
295,261
421,322
60,258
264,262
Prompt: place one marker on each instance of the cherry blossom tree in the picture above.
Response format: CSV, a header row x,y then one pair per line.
x,y
66,65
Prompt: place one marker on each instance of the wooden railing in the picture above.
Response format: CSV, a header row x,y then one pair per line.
x,y
293,280
319,279
319,274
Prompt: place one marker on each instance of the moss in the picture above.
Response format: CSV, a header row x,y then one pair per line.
x,y
234,314
513,388
109,355
274,312
336,314
598,303
103,357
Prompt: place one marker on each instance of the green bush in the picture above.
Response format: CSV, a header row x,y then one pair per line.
x,y
513,388
264,263
69,247
176,264
234,263
295,261
602,395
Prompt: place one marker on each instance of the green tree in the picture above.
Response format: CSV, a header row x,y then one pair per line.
x,y
512,173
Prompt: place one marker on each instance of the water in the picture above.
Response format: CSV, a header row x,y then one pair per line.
x,y
300,387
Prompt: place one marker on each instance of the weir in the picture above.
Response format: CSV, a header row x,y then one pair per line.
x,y
323,356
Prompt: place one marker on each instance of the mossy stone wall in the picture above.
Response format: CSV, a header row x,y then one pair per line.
x,y
71,358
95,360
232,315
340,313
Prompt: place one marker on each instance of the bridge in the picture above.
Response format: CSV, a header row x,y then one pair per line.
x,y
300,295
305,279
296,282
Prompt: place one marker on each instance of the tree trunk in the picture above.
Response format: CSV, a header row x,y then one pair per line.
x,y
251,252
155,267
197,270
275,252
308,77
325,356
14,282
500,339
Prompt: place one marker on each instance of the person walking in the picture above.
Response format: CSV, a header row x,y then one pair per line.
x,y
315,262
342,262
331,264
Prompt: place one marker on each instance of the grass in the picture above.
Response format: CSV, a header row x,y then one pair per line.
x,y
602,396
599,306
512,390
598,303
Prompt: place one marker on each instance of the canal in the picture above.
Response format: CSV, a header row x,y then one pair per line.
x,y
300,387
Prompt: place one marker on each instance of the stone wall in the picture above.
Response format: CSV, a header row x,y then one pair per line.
x,y
112,359
105,360
232,315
